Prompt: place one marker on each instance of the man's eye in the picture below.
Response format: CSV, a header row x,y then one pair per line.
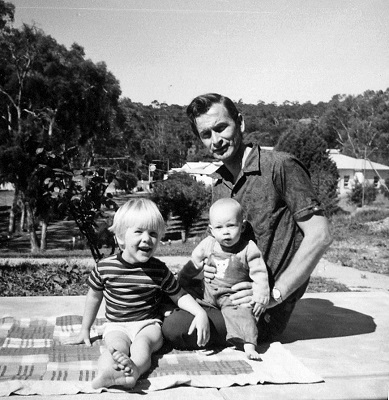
x,y
220,128
205,135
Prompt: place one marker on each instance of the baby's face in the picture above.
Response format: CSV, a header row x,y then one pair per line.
x,y
226,226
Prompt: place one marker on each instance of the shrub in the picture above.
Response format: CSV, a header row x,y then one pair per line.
x,y
362,194
182,196
29,279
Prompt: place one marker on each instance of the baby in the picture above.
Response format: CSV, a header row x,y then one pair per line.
x,y
236,260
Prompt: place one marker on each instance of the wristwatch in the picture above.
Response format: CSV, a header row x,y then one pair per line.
x,y
276,294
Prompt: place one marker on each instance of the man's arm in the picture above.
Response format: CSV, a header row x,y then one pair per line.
x,y
317,239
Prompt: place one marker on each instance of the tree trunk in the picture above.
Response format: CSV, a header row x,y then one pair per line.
x,y
183,235
44,235
12,212
31,229
23,217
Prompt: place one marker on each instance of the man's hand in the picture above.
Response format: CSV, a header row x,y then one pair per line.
x,y
244,294
209,271
201,323
82,337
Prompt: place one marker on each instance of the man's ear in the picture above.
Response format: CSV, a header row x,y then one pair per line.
x,y
244,225
241,122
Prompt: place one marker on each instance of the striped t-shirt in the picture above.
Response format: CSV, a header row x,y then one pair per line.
x,y
132,292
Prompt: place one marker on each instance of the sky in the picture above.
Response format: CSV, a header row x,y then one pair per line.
x,y
248,50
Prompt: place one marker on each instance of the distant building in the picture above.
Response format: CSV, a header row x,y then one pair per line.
x,y
7,186
353,170
200,170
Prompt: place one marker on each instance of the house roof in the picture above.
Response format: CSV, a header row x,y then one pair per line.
x,y
346,162
200,167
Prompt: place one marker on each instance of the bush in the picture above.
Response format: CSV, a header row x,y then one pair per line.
x,y
29,279
182,196
362,194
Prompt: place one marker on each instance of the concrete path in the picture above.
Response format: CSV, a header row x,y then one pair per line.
x,y
343,337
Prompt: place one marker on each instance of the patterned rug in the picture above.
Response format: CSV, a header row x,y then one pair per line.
x,y
33,361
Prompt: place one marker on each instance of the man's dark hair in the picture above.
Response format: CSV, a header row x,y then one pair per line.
x,y
201,104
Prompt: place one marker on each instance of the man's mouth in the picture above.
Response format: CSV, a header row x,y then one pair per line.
x,y
220,150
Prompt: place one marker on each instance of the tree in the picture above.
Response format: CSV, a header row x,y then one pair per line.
x,y
304,142
62,191
362,194
53,98
7,13
182,196
359,125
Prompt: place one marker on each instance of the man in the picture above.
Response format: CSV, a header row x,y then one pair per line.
x,y
287,219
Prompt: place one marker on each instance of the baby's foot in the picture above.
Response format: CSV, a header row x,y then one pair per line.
x,y
125,373
251,353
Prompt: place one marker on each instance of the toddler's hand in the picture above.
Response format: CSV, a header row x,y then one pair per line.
x,y
201,323
82,337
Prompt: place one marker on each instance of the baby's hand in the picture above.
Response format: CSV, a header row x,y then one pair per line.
x,y
82,337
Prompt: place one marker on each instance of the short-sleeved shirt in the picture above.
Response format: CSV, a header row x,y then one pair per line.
x,y
275,190
132,292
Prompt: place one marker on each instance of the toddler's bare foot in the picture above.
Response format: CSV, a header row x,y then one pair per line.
x,y
251,353
124,372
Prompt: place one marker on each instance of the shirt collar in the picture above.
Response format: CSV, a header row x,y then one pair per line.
x,y
251,165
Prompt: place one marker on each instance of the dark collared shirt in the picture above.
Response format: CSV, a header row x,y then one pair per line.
x,y
275,190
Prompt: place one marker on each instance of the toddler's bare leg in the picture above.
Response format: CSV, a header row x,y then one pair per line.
x,y
108,371
116,368
251,352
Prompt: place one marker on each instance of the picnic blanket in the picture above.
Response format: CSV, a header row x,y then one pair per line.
x,y
34,361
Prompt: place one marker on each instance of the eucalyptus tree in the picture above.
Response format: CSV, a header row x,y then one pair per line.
x,y
51,98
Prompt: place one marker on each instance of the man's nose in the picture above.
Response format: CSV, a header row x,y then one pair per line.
x,y
216,139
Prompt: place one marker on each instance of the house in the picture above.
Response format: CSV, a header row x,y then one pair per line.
x,y
352,170
200,170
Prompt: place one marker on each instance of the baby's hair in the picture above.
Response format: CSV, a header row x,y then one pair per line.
x,y
142,212
228,203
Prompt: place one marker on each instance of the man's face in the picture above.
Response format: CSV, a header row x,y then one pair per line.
x,y
220,134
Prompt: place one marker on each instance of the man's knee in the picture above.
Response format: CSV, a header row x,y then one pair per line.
x,y
175,329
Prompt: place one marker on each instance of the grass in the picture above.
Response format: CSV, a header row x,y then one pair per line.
x,y
361,241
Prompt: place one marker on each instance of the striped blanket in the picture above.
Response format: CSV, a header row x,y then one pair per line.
x,y
33,361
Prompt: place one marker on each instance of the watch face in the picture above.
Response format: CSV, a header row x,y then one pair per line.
x,y
276,294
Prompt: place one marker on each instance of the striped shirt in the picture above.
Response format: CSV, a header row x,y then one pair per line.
x,y
132,292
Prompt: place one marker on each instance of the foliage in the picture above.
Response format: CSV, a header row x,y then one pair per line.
x,y
359,124
385,189
181,195
362,194
304,142
51,98
76,193
43,280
